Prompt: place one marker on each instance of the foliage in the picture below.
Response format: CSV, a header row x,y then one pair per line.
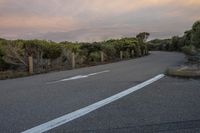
x,y
189,50
142,37
186,39
158,44
73,47
52,50
90,51
14,53
95,57
195,35
42,48
46,53
109,51
191,38
128,44
2,62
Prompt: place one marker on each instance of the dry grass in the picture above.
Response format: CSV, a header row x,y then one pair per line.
x,y
185,72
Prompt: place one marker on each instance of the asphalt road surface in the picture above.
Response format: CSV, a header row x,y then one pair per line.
x,y
168,105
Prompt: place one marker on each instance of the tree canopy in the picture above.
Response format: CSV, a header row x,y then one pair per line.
x,y
176,43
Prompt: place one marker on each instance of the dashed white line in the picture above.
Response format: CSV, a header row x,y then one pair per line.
x,y
78,77
81,112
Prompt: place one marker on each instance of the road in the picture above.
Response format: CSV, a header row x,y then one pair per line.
x,y
167,105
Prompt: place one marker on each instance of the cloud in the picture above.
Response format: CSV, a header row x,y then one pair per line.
x,y
42,16
54,23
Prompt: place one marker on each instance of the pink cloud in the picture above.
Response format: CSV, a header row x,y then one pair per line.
x,y
67,15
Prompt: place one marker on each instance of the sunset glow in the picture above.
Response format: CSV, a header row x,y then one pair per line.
x,y
46,18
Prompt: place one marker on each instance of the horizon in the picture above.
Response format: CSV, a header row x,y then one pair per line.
x,y
95,20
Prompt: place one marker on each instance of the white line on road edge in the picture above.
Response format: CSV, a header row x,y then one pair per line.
x,y
79,77
81,112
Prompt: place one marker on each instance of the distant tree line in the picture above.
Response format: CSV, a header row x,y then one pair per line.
x,y
49,55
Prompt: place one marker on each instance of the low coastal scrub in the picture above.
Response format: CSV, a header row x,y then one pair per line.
x,y
44,56
177,43
189,44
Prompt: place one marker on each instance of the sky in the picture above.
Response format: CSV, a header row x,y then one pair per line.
x,y
95,20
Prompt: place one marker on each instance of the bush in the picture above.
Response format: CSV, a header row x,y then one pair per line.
x,y
176,43
137,51
72,47
52,50
109,51
3,64
90,51
195,34
189,50
95,57
158,44
48,55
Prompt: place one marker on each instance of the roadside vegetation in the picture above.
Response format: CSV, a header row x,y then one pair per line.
x,y
189,44
17,57
191,38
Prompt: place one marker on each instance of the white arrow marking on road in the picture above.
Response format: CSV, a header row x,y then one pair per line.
x,y
78,77
81,112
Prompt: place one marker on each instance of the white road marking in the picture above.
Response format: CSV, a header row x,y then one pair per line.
x,y
78,77
81,112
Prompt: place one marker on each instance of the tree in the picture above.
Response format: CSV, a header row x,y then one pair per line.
x,y
174,43
195,35
187,37
142,37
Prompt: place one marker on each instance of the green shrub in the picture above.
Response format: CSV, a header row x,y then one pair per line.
x,y
195,34
52,50
2,62
137,51
46,49
176,43
109,51
189,50
158,44
73,47
48,54
94,57
90,51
